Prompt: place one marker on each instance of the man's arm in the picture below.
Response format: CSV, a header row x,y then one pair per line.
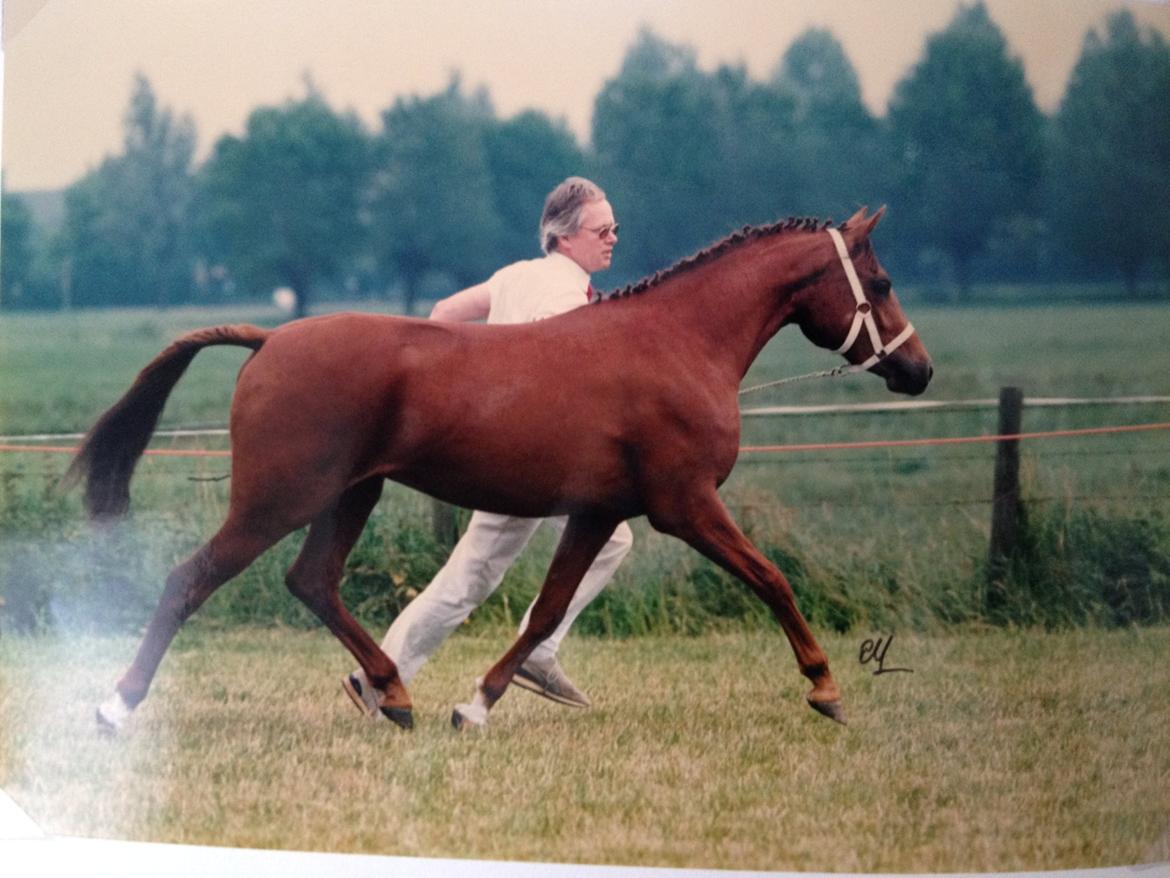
x,y
472,303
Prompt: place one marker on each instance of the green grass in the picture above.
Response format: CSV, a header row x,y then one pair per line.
x,y
895,536
58,372
1008,748
1002,751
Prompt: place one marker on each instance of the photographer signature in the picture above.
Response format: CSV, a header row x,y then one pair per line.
x,y
875,650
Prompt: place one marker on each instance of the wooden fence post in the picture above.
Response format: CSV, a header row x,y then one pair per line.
x,y
1006,510
444,524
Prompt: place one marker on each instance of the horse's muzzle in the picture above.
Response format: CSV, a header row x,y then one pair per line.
x,y
905,375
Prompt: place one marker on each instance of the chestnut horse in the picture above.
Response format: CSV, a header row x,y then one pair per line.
x,y
624,408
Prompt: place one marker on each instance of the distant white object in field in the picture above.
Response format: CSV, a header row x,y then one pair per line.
x,y
284,299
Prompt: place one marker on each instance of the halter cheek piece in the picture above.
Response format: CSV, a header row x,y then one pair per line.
x,y
863,316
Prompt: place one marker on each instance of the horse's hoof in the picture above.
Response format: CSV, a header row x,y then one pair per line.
x,y
832,709
112,714
402,717
104,725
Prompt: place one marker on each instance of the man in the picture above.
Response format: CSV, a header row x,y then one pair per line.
x,y
577,235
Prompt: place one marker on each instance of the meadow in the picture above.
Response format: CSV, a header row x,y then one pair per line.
x,y
1001,751
1035,740
894,537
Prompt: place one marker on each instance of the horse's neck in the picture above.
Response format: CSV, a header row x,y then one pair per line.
x,y
732,305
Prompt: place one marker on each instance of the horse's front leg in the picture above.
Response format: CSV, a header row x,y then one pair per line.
x,y
703,521
583,538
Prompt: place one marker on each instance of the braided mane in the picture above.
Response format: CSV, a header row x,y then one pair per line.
x,y
741,236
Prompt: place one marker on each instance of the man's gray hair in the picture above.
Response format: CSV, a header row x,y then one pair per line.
x,y
562,210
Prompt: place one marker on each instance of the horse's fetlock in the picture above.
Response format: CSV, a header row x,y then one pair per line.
x,y
816,672
132,694
491,694
388,683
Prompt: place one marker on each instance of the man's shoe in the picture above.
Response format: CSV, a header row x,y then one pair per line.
x,y
549,680
362,694
366,699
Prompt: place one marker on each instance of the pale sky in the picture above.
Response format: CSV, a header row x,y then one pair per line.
x,y
69,64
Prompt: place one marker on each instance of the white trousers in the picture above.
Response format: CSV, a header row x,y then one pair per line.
x,y
475,569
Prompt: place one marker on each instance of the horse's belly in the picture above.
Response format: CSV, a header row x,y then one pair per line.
x,y
531,480
506,493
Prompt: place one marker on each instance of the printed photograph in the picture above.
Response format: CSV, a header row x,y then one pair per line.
x,y
545,438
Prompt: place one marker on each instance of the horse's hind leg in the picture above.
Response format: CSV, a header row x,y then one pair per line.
x,y
708,527
188,586
583,538
315,579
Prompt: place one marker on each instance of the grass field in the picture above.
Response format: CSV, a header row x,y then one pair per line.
x,y
59,371
1041,744
892,537
1001,751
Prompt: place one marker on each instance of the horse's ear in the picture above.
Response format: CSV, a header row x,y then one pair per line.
x,y
871,223
855,220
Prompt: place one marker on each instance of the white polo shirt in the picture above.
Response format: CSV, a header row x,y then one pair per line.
x,y
533,289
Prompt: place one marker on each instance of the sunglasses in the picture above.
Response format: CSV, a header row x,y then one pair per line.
x,y
604,232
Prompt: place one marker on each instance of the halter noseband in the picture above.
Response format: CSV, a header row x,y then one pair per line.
x,y
863,316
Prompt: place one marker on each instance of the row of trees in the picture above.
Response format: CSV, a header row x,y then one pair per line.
x,y
980,183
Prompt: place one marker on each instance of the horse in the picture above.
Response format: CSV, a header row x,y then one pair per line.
x,y
621,408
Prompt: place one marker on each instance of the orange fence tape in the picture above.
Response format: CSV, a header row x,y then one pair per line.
x,y
154,452
956,440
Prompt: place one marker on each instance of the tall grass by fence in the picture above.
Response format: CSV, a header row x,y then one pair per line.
x,y
1083,554
883,536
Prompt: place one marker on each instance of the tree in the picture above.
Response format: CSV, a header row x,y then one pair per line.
x,y
433,204
527,156
1111,151
16,255
758,178
126,233
837,150
968,138
282,204
658,143
688,156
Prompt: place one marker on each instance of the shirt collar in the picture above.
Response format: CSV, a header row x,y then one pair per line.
x,y
568,264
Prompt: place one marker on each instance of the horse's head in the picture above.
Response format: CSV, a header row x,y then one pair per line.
x,y
852,310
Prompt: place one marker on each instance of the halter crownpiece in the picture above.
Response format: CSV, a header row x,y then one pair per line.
x,y
863,316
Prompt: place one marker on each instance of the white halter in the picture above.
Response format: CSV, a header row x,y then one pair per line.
x,y
863,316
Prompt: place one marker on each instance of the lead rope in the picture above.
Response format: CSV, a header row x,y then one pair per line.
x,y
862,316
825,373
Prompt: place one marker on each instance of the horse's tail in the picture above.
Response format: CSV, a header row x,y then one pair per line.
x,y
110,450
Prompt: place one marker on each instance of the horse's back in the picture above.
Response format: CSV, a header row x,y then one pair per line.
x,y
460,410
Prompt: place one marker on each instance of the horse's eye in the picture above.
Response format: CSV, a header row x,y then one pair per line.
x,y
881,287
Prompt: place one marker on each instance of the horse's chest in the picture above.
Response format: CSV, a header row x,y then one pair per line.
x,y
705,435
